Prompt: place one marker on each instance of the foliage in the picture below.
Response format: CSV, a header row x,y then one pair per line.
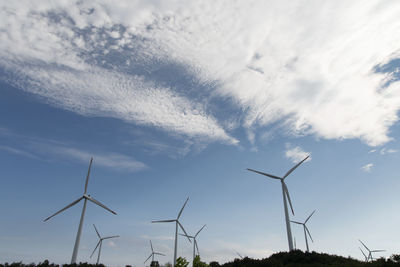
x,y
298,258
168,264
395,258
198,263
181,262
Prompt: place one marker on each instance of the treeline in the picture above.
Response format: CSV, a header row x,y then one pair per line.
x,y
298,258
47,264
295,258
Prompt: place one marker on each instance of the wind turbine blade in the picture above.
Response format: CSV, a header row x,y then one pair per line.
x,y
266,174
288,196
362,252
98,243
61,210
378,250
297,165
309,217
308,232
239,255
163,221
151,245
88,174
183,229
297,222
187,235
96,231
364,245
197,247
100,204
199,230
109,237
148,258
180,212
157,253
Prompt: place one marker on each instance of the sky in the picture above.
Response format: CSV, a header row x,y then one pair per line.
x,y
174,100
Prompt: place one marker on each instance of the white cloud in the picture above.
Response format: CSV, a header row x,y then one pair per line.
x,y
17,152
384,151
305,65
367,167
115,161
112,244
296,154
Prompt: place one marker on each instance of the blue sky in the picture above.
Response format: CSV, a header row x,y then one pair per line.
x,y
176,100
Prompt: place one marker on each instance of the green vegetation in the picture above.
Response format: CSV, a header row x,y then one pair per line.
x,y
295,258
298,258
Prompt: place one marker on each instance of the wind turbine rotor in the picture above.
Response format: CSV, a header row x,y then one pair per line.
x,y
162,221
266,174
88,174
183,229
288,196
97,232
292,169
309,217
148,258
199,230
98,243
180,212
308,232
66,207
109,237
99,204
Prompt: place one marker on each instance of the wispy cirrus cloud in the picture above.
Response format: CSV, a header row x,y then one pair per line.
x,y
41,149
162,64
367,167
296,153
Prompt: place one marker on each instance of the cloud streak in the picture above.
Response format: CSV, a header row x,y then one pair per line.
x,y
306,67
296,154
367,167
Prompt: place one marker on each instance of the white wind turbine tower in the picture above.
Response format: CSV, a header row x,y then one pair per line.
x,y
176,228
306,231
285,194
370,251
100,243
85,197
153,253
195,242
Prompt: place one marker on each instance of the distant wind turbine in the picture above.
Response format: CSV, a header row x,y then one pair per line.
x,y
176,228
370,251
153,253
195,242
85,197
240,256
285,194
306,231
100,243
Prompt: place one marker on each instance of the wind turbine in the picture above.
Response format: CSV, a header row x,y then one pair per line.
x,y
195,242
100,243
153,253
285,194
85,197
370,251
176,228
365,256
306,231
